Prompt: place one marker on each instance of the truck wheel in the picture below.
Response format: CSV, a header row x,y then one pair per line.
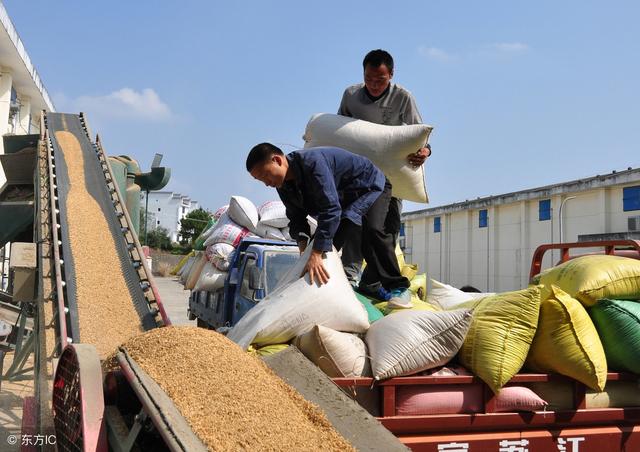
x,y
202,324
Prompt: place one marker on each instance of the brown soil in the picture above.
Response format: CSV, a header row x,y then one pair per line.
x,y
105,309
231,400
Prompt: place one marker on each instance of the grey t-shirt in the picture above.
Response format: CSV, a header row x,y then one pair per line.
x,y
394,108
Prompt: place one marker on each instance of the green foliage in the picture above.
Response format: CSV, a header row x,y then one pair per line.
x,y
158,238
192,225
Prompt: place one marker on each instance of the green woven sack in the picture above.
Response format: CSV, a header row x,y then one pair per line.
x,y
618,324
372,312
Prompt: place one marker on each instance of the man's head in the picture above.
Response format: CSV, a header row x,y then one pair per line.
x,y
378,71
268,164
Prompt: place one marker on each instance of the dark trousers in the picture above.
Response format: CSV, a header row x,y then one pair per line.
x,y
352,249
378,242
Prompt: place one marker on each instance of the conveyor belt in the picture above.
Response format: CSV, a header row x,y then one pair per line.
x,y
99,184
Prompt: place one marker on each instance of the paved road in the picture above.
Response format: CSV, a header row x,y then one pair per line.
x,y
175,300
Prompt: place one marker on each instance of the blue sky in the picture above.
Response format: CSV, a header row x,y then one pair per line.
x,y
521,94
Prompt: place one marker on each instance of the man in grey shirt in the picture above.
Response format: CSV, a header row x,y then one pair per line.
x,y
379,101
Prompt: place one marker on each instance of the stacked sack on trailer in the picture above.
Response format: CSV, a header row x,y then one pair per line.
x,y
581,319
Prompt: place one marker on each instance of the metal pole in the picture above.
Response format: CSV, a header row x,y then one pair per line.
x,y
487,251
560,214
146,217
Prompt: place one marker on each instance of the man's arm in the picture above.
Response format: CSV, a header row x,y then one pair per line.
x,y
411,115
299,229
329,212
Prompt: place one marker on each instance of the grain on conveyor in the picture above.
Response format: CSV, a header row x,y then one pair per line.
x,y
231,400
105,308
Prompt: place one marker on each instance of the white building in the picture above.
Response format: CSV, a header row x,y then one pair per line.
x,y
22,99
166,209
489,242
22,94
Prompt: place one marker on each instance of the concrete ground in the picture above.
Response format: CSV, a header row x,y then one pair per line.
x,y
11,397
175,299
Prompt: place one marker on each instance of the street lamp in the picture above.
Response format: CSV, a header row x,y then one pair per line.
x,y
560,213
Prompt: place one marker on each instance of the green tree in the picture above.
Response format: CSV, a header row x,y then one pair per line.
x,y
192,225
159,238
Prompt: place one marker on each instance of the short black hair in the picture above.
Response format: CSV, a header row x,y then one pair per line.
x,y
470,289
377,58
261,153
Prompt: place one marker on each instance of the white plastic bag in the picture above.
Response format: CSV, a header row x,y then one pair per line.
x,y
408,342
295,306
211,279
274,214
243,212
386,146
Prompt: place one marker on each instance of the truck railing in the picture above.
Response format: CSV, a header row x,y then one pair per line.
x,y
490,419
611,247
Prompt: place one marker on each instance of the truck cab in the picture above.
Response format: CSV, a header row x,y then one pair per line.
x,y
255,269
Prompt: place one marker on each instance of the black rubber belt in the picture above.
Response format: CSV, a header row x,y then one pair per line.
x,y
95,185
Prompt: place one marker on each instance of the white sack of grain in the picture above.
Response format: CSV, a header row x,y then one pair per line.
x,y
227,231
196,269
386,146
220,254
295,306
274,214
408,342
218,213
446,296
210,279
269,232
243,212
337,354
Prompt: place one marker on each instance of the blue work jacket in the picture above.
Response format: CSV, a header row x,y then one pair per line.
x,y
329,184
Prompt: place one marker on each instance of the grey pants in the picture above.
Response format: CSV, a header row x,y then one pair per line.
x,y
352,250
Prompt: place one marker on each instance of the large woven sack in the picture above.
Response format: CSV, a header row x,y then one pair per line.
x,y
618,324
295,306
337,354
219,254
617,394
194,274
373,313
567,342
589,278
221,211
274,214
416,305
186,269
500,335
269,232
178,268
418,400
419,286
243,212
411,341
446,296
227,231
210,279
386,146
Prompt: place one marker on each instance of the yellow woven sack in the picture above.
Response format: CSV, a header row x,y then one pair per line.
x,y
419,286
183,261
567,342
409,271
589,278
501,332
417,305
266,350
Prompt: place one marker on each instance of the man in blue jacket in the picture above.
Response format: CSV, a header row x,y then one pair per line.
x,y
344,192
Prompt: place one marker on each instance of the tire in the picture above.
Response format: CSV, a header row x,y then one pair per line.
x,y
202,324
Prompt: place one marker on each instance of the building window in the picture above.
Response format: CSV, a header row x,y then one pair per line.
x,y
436,224
402,229
631,198
483,218
184,209
159,209
544,210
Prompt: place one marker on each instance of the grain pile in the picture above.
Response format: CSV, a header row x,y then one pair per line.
x,y
105,310
231,400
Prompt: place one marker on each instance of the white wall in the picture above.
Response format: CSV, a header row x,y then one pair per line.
x,y
498,258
